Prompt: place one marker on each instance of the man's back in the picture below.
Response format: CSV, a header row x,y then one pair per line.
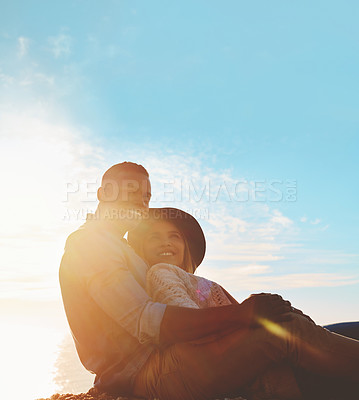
x,y
114,323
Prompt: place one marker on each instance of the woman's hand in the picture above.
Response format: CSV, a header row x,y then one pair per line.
x,y
267,306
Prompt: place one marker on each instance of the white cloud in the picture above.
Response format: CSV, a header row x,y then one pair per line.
x,y
36,79
44,158
327,257
5,79
26,78
39,156
257,278
315,221
236,231
279,218
23,46
61,45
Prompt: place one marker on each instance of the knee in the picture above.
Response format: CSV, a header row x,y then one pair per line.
x,y
297,328
299,322
287,331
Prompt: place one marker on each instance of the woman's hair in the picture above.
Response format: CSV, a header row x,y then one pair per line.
x,y
188,263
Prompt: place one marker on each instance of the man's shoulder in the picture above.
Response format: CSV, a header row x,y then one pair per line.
x,y
94,240
78,236
86,247
86,241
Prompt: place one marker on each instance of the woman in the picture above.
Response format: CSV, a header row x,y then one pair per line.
x,y
173,244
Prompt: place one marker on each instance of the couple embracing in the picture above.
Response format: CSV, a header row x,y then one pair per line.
x,y
151,329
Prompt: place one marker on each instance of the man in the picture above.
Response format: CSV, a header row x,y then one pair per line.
x,y
114,324
140,348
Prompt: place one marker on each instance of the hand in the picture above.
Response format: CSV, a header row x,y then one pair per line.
x,y
265,305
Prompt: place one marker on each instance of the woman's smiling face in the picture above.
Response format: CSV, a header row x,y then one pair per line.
x,y
163,243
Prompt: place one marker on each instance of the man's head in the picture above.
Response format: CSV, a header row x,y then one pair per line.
x,y
125,191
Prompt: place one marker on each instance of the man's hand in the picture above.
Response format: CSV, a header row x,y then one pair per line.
x,y
265,305
181,324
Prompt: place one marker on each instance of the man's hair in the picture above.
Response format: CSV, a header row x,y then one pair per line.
x,y
126,166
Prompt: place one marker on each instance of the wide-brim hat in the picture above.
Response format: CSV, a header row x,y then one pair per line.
x,y
186,223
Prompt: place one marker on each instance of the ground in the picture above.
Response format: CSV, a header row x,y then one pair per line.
x,y
92,394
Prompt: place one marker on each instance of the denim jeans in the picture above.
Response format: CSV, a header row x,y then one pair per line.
x,y
228,365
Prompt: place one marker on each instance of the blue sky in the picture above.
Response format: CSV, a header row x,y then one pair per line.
x,y
244,113
200,91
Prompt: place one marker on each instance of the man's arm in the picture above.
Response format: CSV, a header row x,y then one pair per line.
x,y
98,262
184,324
116,291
